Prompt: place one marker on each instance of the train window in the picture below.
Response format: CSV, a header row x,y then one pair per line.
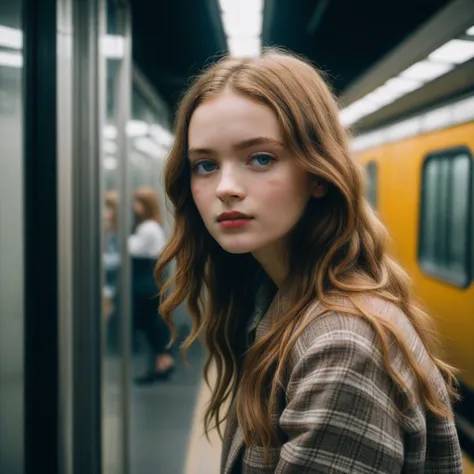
x,y
446,213
372,183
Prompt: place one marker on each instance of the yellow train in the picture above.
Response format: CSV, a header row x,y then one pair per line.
x,y
420,180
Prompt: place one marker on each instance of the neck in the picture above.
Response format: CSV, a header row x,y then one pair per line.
x,y
274,264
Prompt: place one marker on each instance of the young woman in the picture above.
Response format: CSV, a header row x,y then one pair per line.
x,y
144,246
323,359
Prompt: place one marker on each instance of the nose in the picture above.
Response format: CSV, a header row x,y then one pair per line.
x,y
230,186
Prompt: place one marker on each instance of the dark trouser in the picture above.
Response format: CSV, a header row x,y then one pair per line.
x,y
147,319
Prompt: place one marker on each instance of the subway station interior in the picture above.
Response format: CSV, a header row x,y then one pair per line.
x,y
88,94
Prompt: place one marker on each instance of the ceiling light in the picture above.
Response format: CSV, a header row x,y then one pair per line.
x,y
110,147
402,84
241,5
357,110
110,132
148,147
383,95
11,59
241,23
113,46
455,51
470,31
137,128
406,128
426,70
248,47
161,135
110,163
11,37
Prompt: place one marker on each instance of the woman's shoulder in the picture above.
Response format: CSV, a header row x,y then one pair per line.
x,y
150,226
341,324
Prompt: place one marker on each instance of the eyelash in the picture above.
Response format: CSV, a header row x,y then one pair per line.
x,y
195,166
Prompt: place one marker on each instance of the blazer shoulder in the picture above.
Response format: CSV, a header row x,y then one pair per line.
x,y
343,322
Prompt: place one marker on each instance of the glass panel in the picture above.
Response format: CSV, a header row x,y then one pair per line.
x,y
429,211
445,208
150,142
113,208
11,239
459,214
372,183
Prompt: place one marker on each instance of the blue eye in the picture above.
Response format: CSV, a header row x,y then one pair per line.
x,y
204,167
262,160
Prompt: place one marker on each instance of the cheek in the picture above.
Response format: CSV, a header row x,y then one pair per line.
x,y
286,197
200,194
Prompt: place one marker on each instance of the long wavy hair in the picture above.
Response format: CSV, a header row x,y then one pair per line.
x,y
337,250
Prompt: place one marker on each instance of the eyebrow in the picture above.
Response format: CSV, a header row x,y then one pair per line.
x,y
238,146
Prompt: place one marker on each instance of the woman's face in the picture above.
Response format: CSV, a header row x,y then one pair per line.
x,y
240,164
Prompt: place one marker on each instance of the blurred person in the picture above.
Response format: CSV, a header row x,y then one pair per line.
x,y
144,246
325,358
112,261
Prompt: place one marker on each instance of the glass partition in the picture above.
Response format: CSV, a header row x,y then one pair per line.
x,y
11,239
115,268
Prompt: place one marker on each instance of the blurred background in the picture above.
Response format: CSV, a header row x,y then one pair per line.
x,y
88,89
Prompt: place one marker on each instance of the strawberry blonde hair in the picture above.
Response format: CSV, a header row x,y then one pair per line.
x,y
338,249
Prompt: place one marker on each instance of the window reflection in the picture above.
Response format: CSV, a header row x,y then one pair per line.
x,y
11,241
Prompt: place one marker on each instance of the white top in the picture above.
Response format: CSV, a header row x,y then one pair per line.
x,y
147,241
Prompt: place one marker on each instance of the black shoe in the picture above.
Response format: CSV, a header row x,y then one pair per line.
x,y
165,374
146,379
151,377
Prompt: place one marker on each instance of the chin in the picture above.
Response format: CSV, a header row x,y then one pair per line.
x,y
236,246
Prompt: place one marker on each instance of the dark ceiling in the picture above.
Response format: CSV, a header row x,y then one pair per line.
x,y
174,39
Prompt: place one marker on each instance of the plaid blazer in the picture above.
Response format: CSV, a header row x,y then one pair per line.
x,y
340,414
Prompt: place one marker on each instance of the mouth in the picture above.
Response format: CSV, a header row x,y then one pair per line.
x,y
233,216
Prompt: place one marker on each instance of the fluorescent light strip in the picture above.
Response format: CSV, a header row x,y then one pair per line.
x,y
426,70
457,113
110,163
11,37
244,47
242,22
470,31
250,6
439,62
113,46
455,51
11,59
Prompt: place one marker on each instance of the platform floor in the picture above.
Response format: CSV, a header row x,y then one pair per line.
x,y
166,422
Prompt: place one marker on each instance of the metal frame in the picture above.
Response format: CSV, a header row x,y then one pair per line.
x,y
64,111
87,282
124,93
40,230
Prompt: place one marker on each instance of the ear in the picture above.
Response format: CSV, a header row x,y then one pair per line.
x,y
319,189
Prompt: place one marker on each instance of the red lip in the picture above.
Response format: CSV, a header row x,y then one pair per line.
x,y
233,215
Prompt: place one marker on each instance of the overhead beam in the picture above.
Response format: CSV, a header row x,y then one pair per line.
x,y
449,23
317,16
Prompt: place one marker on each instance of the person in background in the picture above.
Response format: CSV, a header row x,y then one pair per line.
x,y
325,362
111,259
144,245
